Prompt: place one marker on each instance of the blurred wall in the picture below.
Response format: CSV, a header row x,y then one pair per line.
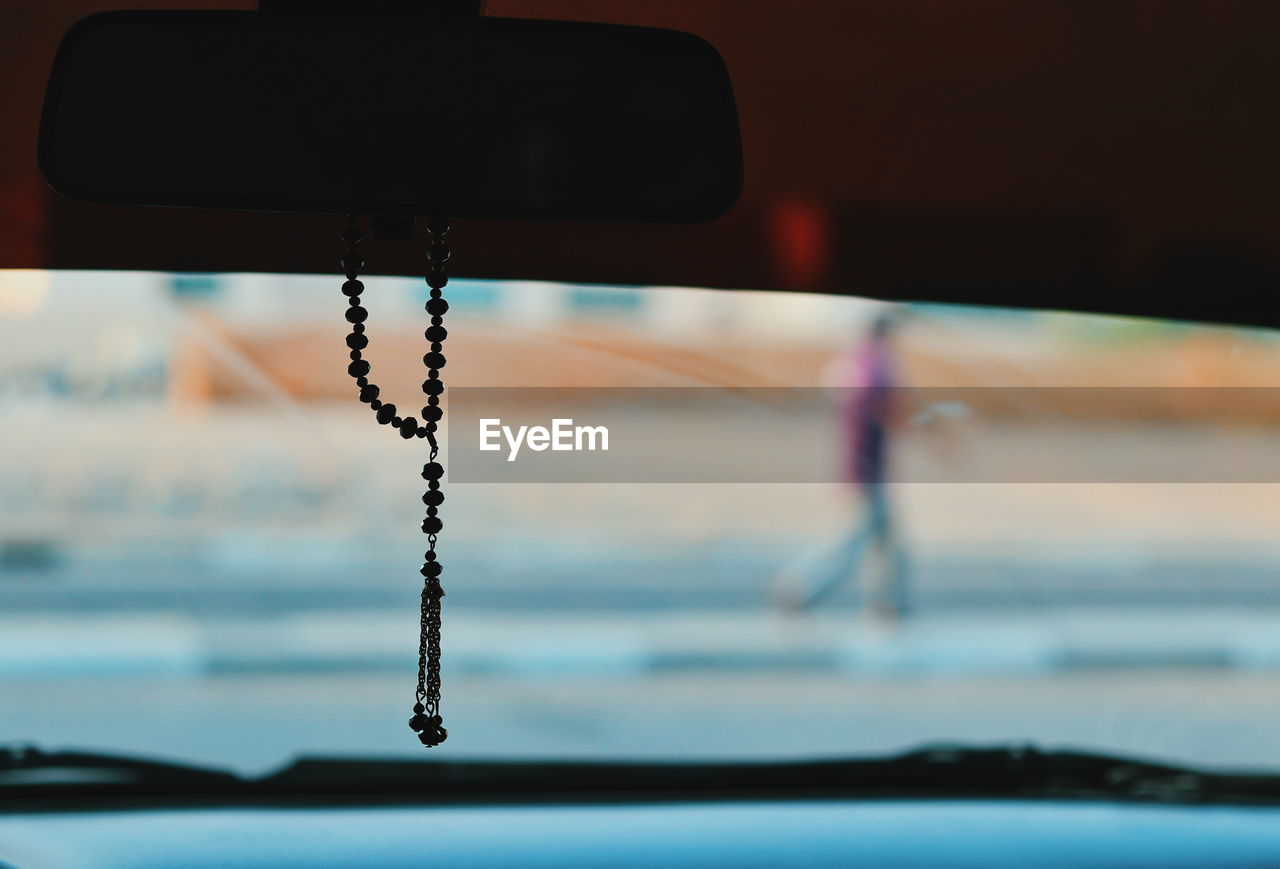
x,y
1098,154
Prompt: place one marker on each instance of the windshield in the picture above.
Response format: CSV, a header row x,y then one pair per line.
x,y
916,528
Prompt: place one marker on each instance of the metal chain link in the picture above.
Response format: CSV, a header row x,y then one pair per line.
x,y
426,720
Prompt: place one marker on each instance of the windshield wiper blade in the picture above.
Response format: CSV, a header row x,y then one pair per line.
x,y
28,766
1025,770
32,777
931,771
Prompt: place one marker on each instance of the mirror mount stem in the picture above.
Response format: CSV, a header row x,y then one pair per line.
x,y
446,10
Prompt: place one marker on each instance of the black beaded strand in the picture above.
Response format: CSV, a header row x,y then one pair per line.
x,y
426,720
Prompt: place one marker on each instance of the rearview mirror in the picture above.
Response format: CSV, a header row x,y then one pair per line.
x,y
485,118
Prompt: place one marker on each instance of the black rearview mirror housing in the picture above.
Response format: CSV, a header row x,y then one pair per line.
x,y
479,118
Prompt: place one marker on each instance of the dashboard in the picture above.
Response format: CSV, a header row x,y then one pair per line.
x,y
898,833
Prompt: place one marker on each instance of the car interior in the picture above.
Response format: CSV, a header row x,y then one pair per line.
x,y
671,433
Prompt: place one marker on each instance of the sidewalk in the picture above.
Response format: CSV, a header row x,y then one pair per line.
x,y
476,643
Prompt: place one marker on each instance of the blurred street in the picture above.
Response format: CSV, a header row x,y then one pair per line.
x,y
209,552
256,722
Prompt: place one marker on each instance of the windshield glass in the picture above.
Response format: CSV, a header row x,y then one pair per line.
x,y
927,524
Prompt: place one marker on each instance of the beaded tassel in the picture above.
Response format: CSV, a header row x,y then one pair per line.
x,y
426,720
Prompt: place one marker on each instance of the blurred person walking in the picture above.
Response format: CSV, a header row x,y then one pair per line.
x,y
868,414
